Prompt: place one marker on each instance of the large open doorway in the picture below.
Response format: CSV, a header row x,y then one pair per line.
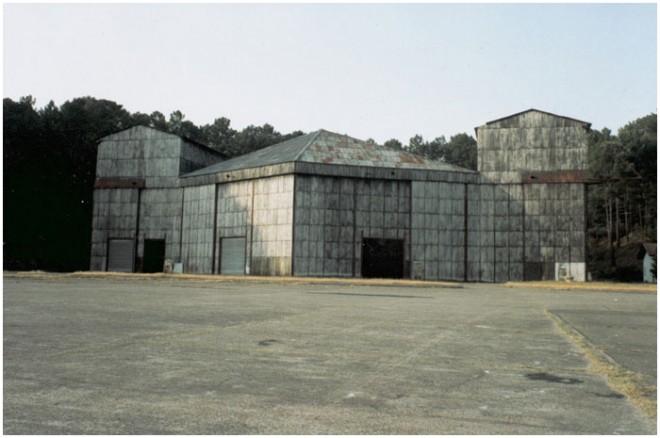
x,y
382,258
154,255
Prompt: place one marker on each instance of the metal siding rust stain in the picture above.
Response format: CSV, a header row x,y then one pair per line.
x,y
555,176
119,183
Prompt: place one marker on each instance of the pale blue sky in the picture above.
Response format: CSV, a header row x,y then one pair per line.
x,y
373,70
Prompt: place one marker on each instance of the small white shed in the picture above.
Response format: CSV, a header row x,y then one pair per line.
x,y
649,262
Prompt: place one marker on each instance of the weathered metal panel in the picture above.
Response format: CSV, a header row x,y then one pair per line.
x,y
197,229
533,141
160,218
114,216
271,225
336,205
341,211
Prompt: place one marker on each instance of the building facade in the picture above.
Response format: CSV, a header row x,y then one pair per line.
x,y
325,204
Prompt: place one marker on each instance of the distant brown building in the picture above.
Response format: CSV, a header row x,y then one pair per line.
x,y
325,204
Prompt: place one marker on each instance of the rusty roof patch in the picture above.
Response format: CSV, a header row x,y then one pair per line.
x,y
329,148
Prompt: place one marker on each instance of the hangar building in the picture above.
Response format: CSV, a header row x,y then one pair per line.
x,y
325,204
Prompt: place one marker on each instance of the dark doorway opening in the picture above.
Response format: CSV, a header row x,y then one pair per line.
x,y
382,258
154,255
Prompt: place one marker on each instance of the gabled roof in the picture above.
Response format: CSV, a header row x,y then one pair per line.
x,y
328,148
508,120
280,153
651,248
138,132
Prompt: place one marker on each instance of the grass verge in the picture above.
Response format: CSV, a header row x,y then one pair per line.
x,y
595,286
207,278
629,383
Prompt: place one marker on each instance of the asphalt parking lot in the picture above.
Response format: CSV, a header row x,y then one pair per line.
x,y
103,356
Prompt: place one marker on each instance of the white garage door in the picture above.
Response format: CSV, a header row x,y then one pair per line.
x,y
120,255
232,256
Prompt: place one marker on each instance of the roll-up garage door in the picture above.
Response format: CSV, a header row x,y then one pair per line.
x,y
232,256
120,255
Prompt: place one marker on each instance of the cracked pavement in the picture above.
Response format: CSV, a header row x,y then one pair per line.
x,y
100,356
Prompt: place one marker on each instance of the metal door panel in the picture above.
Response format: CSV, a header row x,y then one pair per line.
x,y
232,256
120,255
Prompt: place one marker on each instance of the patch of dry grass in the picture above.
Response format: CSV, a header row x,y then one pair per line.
x,y
602,286
629,383
205,278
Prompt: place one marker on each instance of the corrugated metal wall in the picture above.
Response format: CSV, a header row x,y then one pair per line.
x,y
151,161
438,229
160,218
261,212
234,218
532,197
503,228
272,226
197,229
333,215
114,217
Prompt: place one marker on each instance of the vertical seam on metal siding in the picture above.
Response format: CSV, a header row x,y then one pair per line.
x,y
410,231
293,226
215,230
183,198
252,228
107,253
524,238
585,228
137,229
465,234
494,239
353,244
508,231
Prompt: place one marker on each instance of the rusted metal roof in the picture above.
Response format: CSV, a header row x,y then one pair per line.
x,y
329,148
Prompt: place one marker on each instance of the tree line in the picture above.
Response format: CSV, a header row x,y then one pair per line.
x,y
622,206
50,165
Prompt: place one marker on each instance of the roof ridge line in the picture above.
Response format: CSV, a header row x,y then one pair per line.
x,y
309,143
539,111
